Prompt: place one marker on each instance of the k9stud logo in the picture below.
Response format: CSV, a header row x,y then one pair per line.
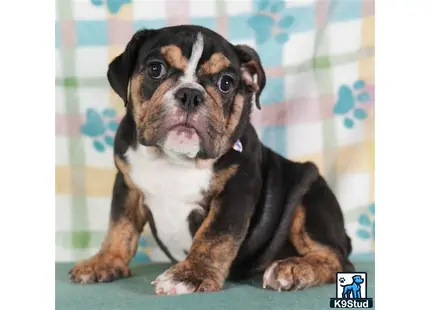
x,y
351,291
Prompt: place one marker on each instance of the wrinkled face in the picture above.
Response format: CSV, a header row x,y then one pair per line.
x,y
191,92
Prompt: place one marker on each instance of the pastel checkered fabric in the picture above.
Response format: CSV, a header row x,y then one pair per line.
x,y
318,103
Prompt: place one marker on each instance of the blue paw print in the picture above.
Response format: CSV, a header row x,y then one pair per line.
x,y
113,5
141,255
367,223
263,23
347,99
100,127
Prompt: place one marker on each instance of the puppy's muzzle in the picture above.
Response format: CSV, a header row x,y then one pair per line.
x,y
189,99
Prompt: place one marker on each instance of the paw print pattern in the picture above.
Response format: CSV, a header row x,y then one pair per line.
x,y
100,127
112,5
141,255
342,280
367,223
347,102
270,19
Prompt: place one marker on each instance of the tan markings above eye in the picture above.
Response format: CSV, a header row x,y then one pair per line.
x,y
215,64
174,57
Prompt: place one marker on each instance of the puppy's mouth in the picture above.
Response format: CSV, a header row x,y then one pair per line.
x,y
182,139
185,128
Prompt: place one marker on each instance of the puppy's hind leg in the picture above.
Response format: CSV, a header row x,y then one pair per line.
x,y
317,263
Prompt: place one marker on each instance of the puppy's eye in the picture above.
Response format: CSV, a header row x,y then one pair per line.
x,y
156,70
225,83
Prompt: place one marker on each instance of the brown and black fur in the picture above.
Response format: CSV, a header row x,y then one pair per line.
x,y
261,209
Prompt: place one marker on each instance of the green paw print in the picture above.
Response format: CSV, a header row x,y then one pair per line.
x,y
367,223
347,102
101,127
263,23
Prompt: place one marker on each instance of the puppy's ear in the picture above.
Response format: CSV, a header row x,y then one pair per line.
x,y
122,67
251,66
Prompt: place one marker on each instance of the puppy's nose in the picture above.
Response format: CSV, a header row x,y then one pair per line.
x,y
189,98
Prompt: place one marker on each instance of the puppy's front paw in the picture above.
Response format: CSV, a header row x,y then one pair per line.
x,y
185,278
99,268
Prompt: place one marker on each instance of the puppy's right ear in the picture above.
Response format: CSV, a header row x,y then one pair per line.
x,y
122,67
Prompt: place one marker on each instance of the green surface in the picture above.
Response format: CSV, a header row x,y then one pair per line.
x,y
138,293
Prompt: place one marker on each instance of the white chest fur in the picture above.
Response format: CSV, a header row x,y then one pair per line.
x,y
171,193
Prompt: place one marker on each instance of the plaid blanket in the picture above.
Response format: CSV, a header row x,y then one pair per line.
x,y
318,103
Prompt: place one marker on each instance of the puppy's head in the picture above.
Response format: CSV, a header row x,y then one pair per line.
x,y
189,91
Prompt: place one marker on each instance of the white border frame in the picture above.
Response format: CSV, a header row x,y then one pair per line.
x,y
402,153
28,155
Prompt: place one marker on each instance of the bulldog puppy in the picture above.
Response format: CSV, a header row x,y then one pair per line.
x,y
220,204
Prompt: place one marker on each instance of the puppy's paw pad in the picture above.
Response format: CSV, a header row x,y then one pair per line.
x,y
163,277
289,274
164,283
182,288
83,277
168,286
181,279
98,270
208,286
270,278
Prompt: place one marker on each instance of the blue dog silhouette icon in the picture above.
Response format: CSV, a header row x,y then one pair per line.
x,y
353,290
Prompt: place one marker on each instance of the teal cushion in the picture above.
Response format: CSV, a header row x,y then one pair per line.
x,y
138,293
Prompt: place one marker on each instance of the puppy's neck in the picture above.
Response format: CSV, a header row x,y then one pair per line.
x,y
178,159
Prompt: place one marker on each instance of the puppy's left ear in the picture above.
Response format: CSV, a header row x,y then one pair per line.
x,y
122,67
251,67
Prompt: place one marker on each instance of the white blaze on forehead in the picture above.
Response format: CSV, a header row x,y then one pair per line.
x,y
188,80
196,53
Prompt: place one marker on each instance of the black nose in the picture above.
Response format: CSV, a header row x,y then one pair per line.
x,y
189,98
